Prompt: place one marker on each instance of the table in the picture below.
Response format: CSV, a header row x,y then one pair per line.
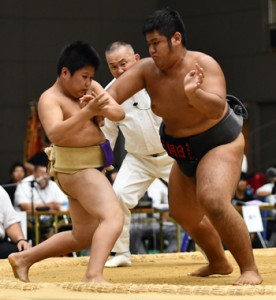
x,y
57,223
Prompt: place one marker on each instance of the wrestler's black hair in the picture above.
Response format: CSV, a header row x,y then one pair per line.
x,y
76,56
166,21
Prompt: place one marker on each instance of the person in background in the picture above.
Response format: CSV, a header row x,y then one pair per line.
x,y
36,192
202,130
145,160
40,158
267,193
11,236
17,173
269,189
244,191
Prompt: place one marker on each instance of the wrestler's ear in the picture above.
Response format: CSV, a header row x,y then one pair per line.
x,y
65,72
176,39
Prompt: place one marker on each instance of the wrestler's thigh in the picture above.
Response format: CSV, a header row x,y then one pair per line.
x,y
84,224
183,204
93,191
219,171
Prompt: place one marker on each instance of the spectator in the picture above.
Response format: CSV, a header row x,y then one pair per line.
x,y
244,191
40,158
39,191
17,173
11,236
268,193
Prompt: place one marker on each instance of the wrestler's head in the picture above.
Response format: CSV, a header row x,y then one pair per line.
x,y
167,22
120,57
76,56
77,65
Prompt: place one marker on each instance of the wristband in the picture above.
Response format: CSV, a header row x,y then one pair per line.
x,y
20,241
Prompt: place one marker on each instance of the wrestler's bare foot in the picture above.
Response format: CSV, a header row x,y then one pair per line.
x,y
221,269
96,279
249,278
20,270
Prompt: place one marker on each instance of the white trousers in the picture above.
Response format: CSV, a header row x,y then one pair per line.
x,y
133,179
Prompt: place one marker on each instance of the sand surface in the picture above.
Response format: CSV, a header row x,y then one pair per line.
x,y
151,277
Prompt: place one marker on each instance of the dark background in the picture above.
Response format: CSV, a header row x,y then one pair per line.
x,y
236,33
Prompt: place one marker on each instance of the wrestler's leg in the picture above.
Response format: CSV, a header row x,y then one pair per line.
x,y
58,244
186,210
92,214
95,194
217,178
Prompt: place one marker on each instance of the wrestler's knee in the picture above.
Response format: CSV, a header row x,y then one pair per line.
x,y
81,239
212,204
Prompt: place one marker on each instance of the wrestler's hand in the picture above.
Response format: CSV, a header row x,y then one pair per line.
x,y
98,120
193,80
83,101
103,105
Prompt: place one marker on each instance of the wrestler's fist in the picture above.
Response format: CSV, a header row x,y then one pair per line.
x,y
193,80
83,101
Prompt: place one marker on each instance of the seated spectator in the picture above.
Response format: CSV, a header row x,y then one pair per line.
x,y
17,173
11,235
144,232
268,190
244,191
40,158
38,191
268,193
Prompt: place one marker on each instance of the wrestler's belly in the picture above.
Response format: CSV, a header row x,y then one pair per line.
x,y
87,137
184,129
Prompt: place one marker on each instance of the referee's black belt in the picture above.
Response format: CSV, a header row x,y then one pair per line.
x,y
158,154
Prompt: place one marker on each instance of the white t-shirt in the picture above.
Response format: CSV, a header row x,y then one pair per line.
x,y
267,188
8,215
51,193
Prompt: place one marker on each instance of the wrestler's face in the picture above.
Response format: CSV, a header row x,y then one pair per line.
x,y
78,83
120,60
160,49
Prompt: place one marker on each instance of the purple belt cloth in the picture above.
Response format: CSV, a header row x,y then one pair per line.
x,y
108,153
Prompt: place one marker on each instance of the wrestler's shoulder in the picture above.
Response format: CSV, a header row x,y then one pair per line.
x,y
201,58
51,95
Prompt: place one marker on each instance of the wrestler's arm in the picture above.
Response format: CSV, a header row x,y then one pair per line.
x,y
130,82
205,87
111,109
